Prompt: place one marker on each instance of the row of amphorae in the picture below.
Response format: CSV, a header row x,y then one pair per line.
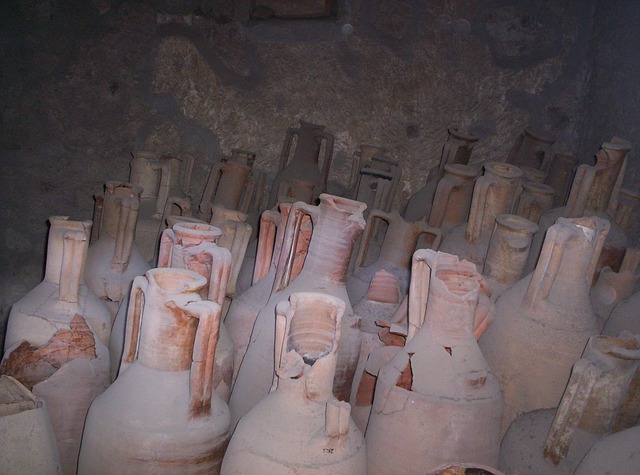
x,y
164,343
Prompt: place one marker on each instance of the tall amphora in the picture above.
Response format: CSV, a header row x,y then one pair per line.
x,y
57,336
337,223
437,401
543,321
161,416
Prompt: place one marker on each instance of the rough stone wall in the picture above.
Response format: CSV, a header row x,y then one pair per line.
x,y
85,83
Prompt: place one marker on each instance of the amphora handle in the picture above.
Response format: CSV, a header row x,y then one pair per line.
x,y
289,243
269,221
72,268
127,221
204,209
582,183
369,231
134,321
421,268
478,205
204,350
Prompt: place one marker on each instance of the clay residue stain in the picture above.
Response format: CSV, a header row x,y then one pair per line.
x,y
32,364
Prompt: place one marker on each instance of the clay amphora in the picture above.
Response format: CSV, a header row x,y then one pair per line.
x,y
245,308
395,254
532,148
614,287
493,194
543,321
457,149
337,223
560,177
626,210
533,175
508,252
618,453
235,237
300,427
550,441
165,182
534,200
161,415
57,335
28,442
113,259
452,200
377,178
227,183
594,191
438,393
304,164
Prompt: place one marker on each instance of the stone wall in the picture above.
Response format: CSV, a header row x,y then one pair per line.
x,y
86,83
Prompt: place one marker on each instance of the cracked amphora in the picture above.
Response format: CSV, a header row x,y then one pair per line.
x,y
57,336
337,223
300,427
437,401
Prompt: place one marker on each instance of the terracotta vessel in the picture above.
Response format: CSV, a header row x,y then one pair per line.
x,y
165,182
337,223
395,254
560,177
533,175
305,162
508,251
543,321
57,335
534,200
161,415
532,148
375,178
193,246
618,453
594,190
438,393
300,427
228,183
452,200
245,308
457,149
28,442
614,287
494,194
549,441
113,259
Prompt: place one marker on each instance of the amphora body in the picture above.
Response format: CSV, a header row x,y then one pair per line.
x,y
438,393
161,415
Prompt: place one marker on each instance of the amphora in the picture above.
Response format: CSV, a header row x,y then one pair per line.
x,y
161,415
438,393
337,223
457,149
305,162
57,336
550,441
543,321
532,148
452,199
113,259
300,427
493,194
